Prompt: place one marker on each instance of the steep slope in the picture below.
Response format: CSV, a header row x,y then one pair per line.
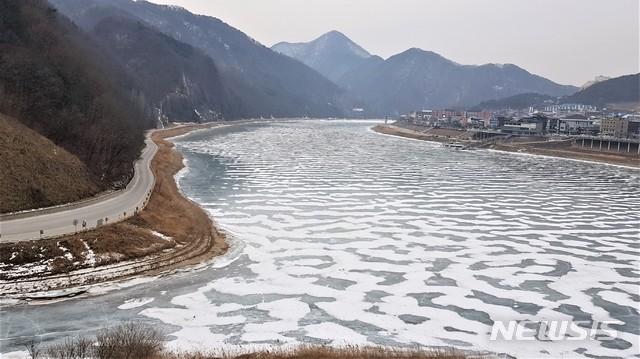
x,y
172,75
168,75
37,173
270,84
624,90
53,80
332,54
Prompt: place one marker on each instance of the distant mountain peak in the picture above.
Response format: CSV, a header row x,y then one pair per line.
x,y
331,41
335,34
332,54
415,49
338,39
415,53
419,51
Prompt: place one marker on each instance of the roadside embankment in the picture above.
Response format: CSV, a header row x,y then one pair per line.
x,y
559,149
568,151
37,173
171,232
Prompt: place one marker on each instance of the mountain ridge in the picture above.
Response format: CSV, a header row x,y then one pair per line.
x,y
270,84
417,78
621,92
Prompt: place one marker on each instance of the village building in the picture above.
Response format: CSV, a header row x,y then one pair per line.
x,y
576,124
619,127
525,127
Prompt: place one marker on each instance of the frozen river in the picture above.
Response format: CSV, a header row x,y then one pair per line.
x,y
345,236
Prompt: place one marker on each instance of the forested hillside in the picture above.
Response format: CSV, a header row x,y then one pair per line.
x,y
53,81
619,90
269,84
519,101
174,76
620,93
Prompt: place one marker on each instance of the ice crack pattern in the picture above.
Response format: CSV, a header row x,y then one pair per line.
x,y
455,240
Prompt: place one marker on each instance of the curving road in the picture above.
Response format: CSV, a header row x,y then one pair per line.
x,y
93,213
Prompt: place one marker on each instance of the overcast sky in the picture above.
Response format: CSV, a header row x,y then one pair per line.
x,y
567,41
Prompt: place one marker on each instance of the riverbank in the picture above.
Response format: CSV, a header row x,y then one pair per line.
x,y
349,352
170,232
558,149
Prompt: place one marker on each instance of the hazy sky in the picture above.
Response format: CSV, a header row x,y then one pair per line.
x,y
567,41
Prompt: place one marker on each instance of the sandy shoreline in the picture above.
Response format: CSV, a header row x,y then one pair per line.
x,y
561,151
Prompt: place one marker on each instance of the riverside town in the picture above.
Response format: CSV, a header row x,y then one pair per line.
x,y
581,125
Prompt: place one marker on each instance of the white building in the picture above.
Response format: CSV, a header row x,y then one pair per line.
x,y
575,124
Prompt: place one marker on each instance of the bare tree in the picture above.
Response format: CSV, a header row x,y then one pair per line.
x,y
33,349
129,340
77,348
84,347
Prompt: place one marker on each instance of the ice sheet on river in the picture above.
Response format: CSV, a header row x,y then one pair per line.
x,y
352,237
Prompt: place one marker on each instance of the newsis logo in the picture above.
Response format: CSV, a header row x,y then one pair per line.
x,y
553,330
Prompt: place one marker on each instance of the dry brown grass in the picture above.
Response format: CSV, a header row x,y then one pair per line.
x,y
194,238
35,173
110,244
135,340
326,352
168,211
127,340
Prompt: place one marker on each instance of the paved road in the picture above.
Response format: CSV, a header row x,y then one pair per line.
x,y
112,208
